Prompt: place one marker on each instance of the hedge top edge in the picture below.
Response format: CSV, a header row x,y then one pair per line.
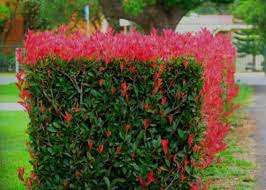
x,y
132,46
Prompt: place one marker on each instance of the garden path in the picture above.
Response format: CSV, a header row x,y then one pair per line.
x,y
7,80
11,107
257,111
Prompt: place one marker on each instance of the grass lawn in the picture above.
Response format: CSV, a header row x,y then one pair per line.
x,y
245,93
13,153
9,93
7,74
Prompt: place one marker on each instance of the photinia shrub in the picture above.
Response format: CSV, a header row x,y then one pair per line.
x,y
125,111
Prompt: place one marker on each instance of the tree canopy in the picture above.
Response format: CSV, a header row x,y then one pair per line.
x,y
150,14
252,12
248,41
147,14
41,14
5,14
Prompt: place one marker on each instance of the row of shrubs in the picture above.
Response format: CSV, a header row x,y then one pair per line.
x,y
125,111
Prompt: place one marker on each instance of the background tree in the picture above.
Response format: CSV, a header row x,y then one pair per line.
x,y
211,8
12,5
248,42
150,14
253,12
146,14
40,14
30,10
5,14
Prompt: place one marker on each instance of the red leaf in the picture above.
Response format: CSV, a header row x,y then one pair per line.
x,y
108,133
67,117
190,139
21,172
124,88
127,127
164,145
49,73
118,149
101,81
141,181
113,90
90,145
146,123
164,100
150,178
171,118
145,106
185,63
100,148
18,85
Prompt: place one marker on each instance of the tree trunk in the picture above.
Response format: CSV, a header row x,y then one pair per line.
x,y
9,25
156,16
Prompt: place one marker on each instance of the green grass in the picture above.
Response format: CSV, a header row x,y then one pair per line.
x,y
243,99
9,93
7,74
245,93
13,153
231,171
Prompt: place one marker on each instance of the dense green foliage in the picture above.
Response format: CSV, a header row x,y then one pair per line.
x,y
97,127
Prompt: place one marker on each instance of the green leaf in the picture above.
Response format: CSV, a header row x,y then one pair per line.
x,y
51,129
107,182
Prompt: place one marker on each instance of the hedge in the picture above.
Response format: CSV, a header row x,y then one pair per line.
x,y
125,111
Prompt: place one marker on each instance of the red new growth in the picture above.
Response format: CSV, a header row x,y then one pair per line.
x,y
144,183
164,145
67,117
171,118
118,149
127,127
190,139
145,106
124,88
90,145
21,172
150,178
113,90
108,133
164,99
100,148
101,81
146,123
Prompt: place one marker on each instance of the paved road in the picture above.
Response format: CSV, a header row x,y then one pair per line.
x,y
11,107
257,79
7,80
257,111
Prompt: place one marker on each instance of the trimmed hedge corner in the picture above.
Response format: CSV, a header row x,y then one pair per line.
x,y
125,111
